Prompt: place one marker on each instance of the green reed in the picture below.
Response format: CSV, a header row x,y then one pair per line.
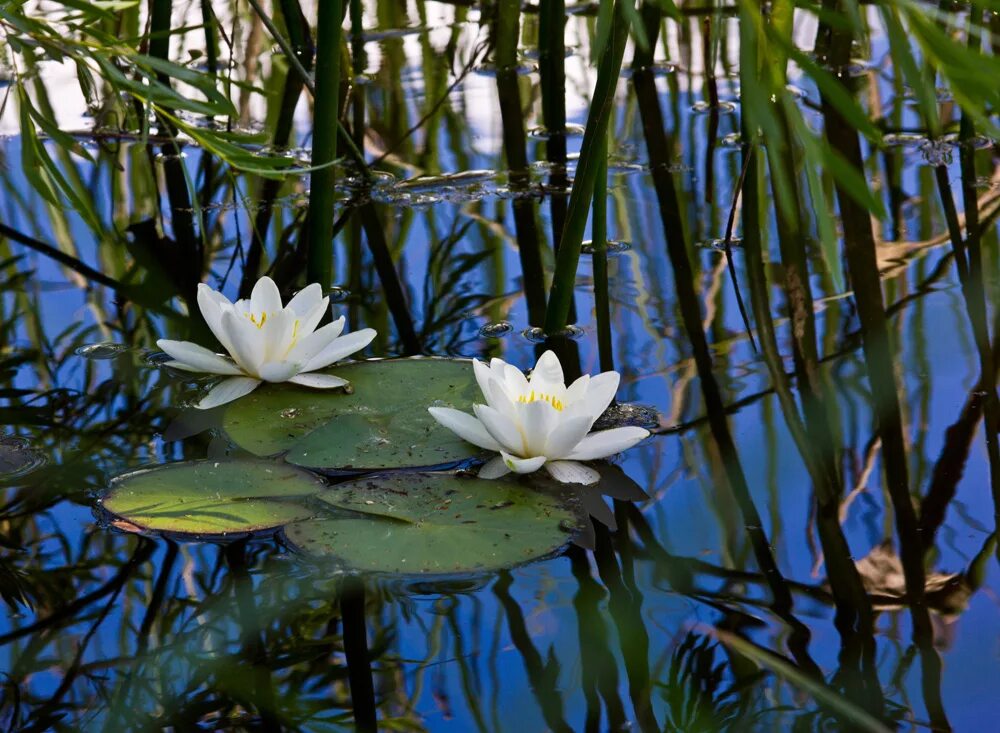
x,y
593,150
322,187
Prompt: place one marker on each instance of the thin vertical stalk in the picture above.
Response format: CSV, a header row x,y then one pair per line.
x,y
552,73
599,242
507,32
359,667
592,150
319,233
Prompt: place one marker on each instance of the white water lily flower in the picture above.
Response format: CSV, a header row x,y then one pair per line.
x,y
267,342
538,421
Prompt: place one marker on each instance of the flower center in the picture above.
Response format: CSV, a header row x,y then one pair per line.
x,y
540,397
257,320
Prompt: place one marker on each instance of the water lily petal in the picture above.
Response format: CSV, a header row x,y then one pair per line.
x,y
464,426
247,348
513,380
577,391
227,391
309,320
194,358
494,468
318,381
571,472
500,400
605,443
537,419
484,375
499,426
566,435
311,344
278,371
306,299
278,333
547,376
339,348
602,390
522,465
265,297
212,305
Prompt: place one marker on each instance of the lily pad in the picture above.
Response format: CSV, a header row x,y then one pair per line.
x,y
382,424
211,497
417,524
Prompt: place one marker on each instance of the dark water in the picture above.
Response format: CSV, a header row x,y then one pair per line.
x,y
107,630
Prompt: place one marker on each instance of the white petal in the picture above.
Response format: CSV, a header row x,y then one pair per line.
x,y
227,391
522,465
247,346
500,400
537,419
313,343
309,320
339,348
500,427
571,472
605,443
278,371
513,380
318,381
601,392
465,426
212,305
566,436
494,468
265,297
578,390
547,376
306,299
277,334
483,377
195,358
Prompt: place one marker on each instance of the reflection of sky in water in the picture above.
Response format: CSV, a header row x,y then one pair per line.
x,y
693,514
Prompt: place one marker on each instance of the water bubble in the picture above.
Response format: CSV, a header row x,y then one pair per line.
x,y
937,152
338,294
899,139
537,335
719,243
289,413
105,350
543,133
614,247
496,330
704,107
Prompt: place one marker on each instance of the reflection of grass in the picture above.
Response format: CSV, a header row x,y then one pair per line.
x,y
843,708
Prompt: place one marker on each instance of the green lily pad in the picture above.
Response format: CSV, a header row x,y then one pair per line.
x,y
211,497
382,424
416,524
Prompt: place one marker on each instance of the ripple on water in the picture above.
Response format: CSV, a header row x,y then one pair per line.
x,y
614,247
17,457
537,335
496,330
104,350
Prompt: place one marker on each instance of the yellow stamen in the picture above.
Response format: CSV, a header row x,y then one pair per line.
x,y
540,397
254,319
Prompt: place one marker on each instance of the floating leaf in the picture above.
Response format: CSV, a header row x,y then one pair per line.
x,y
212,497
382,424
414,523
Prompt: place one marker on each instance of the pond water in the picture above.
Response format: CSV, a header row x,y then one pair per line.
x,y
710,604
